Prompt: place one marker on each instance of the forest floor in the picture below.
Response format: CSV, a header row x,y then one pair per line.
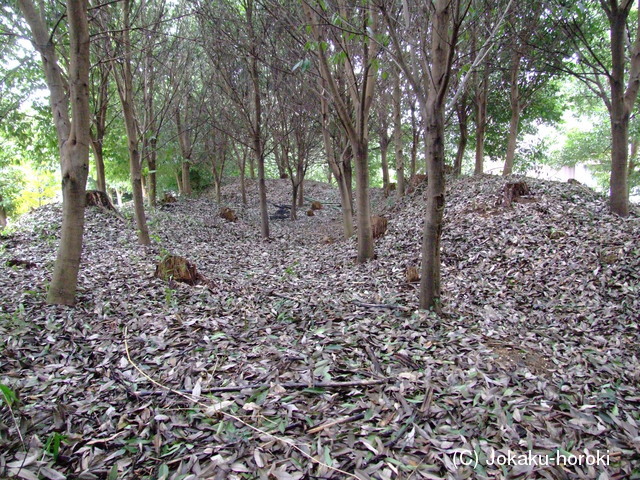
x,y
294,362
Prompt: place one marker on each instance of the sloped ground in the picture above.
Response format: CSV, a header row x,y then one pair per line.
x,y
536,355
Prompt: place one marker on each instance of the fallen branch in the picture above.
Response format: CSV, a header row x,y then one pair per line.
x,y
322,202
323,426
381,305
258,386
191,398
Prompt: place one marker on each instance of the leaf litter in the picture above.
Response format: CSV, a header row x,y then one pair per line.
x,y
332,363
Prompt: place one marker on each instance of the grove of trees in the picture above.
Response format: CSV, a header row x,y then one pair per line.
x,y
148,96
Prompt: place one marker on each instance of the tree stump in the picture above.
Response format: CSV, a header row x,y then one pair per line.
x,y
96,198
378,226
169,198
513,192
391,187
179,269
328,240
228,214
415,181
412,275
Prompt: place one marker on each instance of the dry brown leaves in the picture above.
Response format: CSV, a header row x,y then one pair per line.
x,y
537,352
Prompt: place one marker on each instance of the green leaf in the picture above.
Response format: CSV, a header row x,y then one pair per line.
x,y
9,395
113,473
163,472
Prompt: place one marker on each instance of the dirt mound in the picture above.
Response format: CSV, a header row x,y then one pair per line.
x,y
538,345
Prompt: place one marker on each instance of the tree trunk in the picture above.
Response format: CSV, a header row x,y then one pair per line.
x,y
73,138
125,91
415,139
433,114
101,181
463,125
218,189
383,133
153,182
514,101
365,235
257,123
186,178
347,169
186,148
178,174
338,168
482,92
100,123
397,133
3,215
150,140
619,115
384,148
293,213
243,184
301,192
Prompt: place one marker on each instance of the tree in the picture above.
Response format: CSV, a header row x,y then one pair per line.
x,y
73,135
427,66
236,57
357,55
528,71
617,63
119,50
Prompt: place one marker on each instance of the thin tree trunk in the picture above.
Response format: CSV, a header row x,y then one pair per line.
x,y
3,215
178,174
186,178
150,140
482,92
101,181
125,90
383,133
433,113
514,101
243,183
397,133
463,126
257,123
153,182
186,148
97,140
384,148
338,172
73,137
293,213
347,172
301,190
415,137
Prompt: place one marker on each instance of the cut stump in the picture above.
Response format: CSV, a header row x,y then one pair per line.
x,y
412,275
178,269
516,192
96,198
228,214
169,198
415,181
378,226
